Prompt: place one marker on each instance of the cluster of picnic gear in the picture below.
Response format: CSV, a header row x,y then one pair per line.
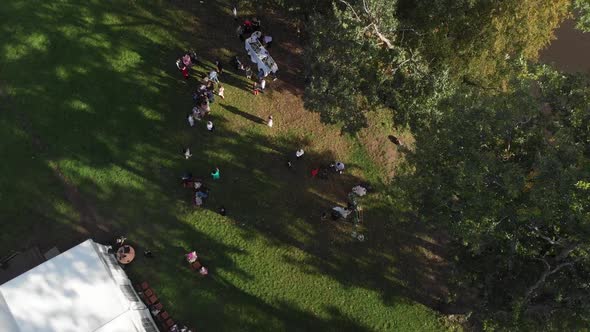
x,y
200,191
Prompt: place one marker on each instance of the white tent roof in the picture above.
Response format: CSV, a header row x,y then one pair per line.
x,y
81,290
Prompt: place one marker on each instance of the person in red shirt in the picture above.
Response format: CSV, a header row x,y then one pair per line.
x,y
314,172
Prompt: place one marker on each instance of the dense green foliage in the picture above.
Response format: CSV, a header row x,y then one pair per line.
x,y
582,8
507,175
476,40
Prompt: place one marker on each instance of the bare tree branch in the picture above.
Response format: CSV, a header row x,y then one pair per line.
x,y
381,37
548,271
566,251
373,23
544,237
351,8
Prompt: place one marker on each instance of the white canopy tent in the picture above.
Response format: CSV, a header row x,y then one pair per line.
x,y
81,290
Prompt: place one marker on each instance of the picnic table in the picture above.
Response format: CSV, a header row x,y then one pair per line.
x,y
259,55
125,254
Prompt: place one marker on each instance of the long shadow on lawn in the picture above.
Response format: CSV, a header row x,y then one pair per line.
x,y
99,103
243,114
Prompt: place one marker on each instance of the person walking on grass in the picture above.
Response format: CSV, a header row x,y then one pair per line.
x,y
269,122
219,66
249,72
213,76
221,91
187,153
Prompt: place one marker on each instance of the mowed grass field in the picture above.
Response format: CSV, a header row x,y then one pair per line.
x,y
92,123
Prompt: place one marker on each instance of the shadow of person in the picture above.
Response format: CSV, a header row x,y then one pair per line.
x,y
243,114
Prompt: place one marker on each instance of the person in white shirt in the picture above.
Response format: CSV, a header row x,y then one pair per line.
x,y
187,153
221,91
269,123
210,126
191,120
299,153
267,41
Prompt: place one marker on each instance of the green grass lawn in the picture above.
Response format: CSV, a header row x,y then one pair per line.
x,y
92,123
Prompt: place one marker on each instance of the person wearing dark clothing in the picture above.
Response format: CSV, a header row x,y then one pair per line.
x,y
248,72
219,66
255,24
193,55
238,64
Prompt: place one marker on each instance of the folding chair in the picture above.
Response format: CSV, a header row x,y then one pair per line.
x,y
168,324
151,300
163,316
141,287
148,292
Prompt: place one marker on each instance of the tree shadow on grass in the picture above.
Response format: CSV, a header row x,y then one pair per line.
x,y
107,118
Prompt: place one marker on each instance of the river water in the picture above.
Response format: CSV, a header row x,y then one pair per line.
x,y
570,52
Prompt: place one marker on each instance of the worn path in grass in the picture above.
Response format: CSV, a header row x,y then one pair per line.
x,y
92,124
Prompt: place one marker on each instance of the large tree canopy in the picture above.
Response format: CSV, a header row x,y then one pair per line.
x,y
364,54
509,176
476,39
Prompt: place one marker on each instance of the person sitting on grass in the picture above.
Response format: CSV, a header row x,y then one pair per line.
x,y
198,201
185,73
338,167
191,257
203,271
216,173
210,96
210,126
187,179
202,192
186,60
299,154
267,41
